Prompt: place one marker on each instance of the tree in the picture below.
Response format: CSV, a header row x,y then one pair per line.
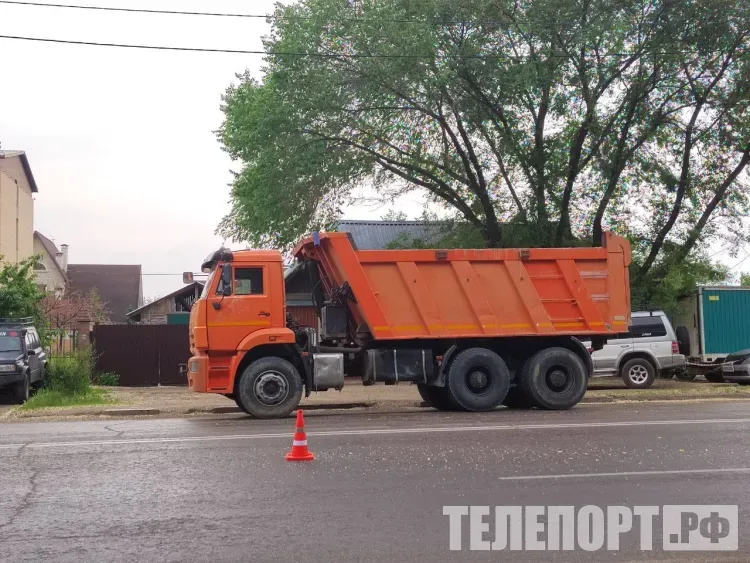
x,y
568,116
745,279
62,312
19,295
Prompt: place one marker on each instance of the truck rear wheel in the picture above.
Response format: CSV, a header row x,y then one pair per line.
x,y
554,379
438,397
269,388
478,379
517,399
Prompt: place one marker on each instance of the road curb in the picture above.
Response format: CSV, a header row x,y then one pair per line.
x,y
129,412
314,407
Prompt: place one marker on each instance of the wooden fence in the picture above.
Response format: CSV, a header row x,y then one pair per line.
x,y
142,355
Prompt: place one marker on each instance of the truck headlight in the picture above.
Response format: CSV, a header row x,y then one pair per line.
x,y
7,367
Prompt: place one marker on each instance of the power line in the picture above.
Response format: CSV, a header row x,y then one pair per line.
x,y
136,10
256,16
318,55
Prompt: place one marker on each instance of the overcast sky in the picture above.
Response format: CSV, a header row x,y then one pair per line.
x,y
121,141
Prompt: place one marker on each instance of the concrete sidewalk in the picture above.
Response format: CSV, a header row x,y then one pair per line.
x,y
181,402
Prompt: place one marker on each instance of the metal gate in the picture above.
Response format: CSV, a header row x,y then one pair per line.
x,y
142,355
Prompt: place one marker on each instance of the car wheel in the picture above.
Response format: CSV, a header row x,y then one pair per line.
x,y
269,388
554,379
638,373
478,379
22,390
517,399
683,339
438,397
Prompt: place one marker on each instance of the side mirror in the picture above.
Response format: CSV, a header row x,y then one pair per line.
x,y
187,277
226,291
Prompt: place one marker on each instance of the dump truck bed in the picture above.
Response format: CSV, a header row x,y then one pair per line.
x,y
408,294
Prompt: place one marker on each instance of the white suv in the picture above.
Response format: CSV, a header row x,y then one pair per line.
x,y
651,348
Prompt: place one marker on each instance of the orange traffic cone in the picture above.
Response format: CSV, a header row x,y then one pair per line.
x,y
299,446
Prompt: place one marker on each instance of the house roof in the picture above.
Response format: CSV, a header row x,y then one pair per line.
x,y
377,235
118,286
187,289
52,250
24,163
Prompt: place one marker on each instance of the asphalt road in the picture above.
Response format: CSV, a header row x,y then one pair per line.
x,y
220,490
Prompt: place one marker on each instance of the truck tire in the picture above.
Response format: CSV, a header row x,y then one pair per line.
x,y
683,339
478,380
638,373
714,377
438,397
685,375
554,379
22,389
269,388
517,399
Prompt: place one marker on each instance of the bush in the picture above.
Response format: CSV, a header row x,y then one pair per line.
x,y
108,379
71,375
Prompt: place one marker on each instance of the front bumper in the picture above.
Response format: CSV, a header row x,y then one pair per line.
x,y
736,373
7,378
197,374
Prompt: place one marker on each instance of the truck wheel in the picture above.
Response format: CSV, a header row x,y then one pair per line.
x,y
685,375
478,379
638,373
714,377
22,389
554,379
438,397
517,399
269,388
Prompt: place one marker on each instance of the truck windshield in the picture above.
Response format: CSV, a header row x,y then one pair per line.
x,y
209,281
10,341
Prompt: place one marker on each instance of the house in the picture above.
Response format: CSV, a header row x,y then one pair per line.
x,y
119,286
170,309
17,186
50,271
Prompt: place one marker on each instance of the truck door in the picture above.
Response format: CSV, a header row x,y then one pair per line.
x,y
240,305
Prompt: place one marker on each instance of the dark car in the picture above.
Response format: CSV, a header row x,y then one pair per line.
x,y
736,367
22,359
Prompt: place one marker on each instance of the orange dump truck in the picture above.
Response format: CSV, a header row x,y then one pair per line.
x,y
473,329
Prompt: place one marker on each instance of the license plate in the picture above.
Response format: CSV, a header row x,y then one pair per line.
x,y
727,368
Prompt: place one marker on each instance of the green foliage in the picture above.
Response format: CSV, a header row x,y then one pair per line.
x,y
569,118
72,374
745,279
51,398
108,379
667,288
19,295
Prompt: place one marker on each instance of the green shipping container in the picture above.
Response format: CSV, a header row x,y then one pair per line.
x,y
724,325
178,318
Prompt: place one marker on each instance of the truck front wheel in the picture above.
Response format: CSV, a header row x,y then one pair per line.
x,y
269,388
438,397
478,379
554,379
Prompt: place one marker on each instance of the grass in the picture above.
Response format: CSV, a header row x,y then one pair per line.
x,y
50,398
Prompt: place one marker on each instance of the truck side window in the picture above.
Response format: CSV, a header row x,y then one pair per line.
x,y
220,285
248,281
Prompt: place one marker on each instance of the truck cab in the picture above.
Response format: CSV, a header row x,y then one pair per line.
x,y
242,308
